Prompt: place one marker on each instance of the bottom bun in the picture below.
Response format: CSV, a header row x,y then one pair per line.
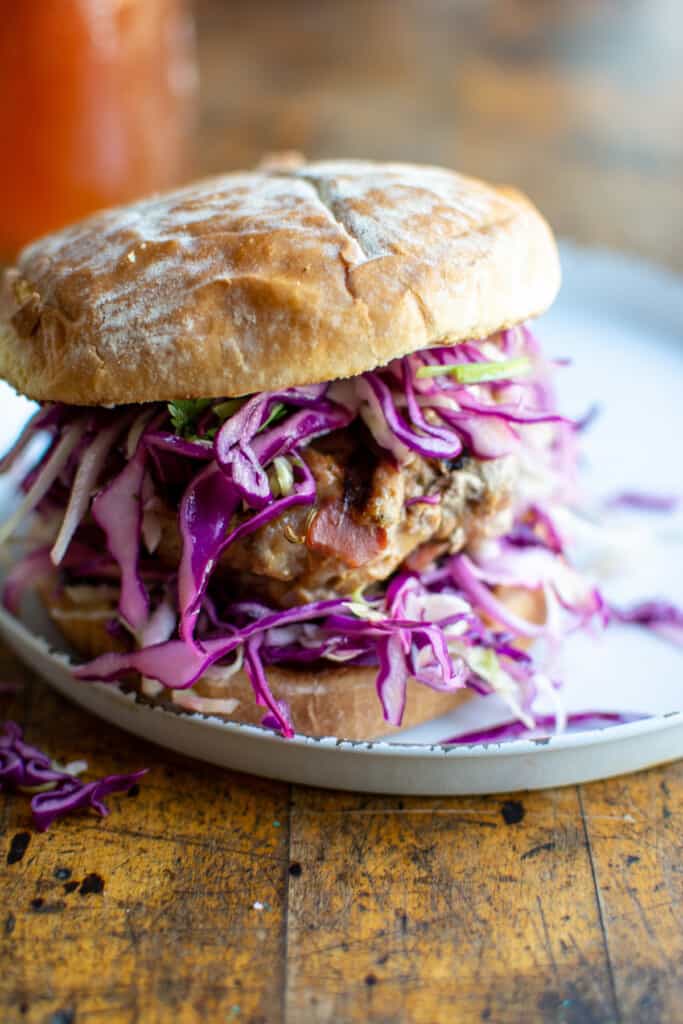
x,y
336,701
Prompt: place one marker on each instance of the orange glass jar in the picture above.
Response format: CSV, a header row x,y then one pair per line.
x,y
96,108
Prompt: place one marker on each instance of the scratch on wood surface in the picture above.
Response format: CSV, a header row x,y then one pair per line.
x,y
175,869
641,894
366,903
372,911
388,893
211,845
455,812
601,914
546,938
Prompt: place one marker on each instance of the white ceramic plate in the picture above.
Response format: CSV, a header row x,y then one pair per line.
x,y
622,324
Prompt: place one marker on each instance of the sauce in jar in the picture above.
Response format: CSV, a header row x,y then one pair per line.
x,y
96,108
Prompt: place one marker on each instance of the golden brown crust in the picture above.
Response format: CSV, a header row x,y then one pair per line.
x,y
278,277
332,702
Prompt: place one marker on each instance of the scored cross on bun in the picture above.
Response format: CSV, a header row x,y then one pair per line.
x,y
372,312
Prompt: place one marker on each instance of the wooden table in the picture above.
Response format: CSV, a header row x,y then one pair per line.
x,y
208,896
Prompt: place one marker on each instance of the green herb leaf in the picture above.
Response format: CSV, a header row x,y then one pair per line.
x,y
224,410
185,412
479,373
276,413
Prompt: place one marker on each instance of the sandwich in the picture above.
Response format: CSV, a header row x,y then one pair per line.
x,y
301,462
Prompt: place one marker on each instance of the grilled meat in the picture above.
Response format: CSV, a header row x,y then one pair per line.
x,y
365,522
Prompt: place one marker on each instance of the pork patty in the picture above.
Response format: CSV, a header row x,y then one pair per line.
x,y
363,525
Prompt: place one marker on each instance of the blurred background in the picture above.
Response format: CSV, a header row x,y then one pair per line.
x,y
579,102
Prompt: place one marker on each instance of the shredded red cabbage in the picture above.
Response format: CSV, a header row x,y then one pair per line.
x,y
215,461
545,726
661,617
428,442
644,502
206,510
201,450
25,768
118,510
414,632
26,572
586,421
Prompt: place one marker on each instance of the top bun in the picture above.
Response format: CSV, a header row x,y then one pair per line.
x,y
288,275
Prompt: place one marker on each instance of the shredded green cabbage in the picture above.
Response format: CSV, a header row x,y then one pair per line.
x,y
478,373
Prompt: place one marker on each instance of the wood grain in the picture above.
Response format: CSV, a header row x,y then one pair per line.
x,y
562,906
639,878
171,909
411,909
